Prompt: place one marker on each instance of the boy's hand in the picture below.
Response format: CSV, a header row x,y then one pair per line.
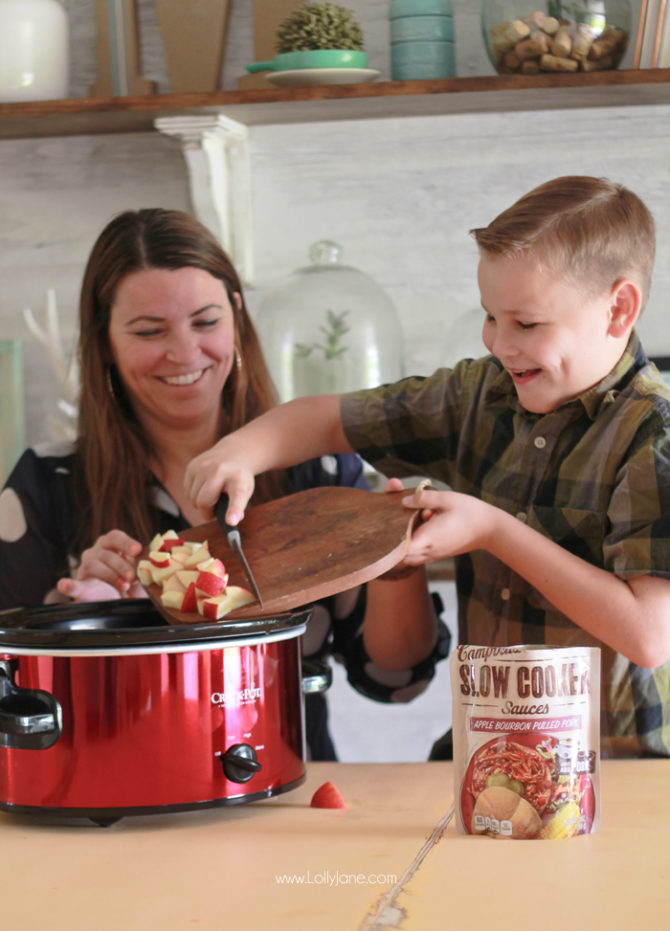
x,y
210,473
453,523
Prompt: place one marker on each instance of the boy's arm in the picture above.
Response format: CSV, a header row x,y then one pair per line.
x,y
284,436
632,616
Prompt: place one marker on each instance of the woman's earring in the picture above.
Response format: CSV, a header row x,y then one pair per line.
x,y
238,360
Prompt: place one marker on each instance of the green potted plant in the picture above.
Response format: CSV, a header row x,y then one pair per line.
x,y
316,35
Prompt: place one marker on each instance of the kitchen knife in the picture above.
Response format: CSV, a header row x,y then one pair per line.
x,y
235,543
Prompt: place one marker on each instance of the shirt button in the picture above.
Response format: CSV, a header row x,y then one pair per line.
x,y
540,442
504,594
521,516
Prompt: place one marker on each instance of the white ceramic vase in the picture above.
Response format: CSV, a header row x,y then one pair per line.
x,y
34,50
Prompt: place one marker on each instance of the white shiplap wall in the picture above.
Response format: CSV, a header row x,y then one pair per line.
x,y
399,195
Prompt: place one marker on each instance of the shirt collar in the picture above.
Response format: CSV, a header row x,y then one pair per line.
x,y
606,390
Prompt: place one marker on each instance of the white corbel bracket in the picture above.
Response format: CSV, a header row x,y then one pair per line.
x,y
216,150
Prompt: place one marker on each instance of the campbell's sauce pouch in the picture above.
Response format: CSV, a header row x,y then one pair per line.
x,y
526,732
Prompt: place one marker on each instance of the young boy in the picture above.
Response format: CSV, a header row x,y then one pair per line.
x,y
556,448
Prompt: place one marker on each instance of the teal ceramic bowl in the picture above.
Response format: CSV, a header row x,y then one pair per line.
x,y
318,58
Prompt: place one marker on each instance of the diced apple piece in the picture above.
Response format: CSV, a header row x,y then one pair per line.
x,y
168,545
144,569
220,605
198,555
180,552
190,601
160,575
174,584
209,583
187,576
160,559
219,569
156,543
172,599
239,596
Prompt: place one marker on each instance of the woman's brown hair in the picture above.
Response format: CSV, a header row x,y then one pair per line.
x,y
112,473
590,229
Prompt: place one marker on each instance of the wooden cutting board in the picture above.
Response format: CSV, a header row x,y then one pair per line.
x,y
307,546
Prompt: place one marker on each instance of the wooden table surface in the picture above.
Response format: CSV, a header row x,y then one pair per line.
x,y
392,859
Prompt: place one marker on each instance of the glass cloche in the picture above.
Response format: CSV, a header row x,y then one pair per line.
x,y
329,328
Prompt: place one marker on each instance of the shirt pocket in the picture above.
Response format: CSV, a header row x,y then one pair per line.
x,y
577,530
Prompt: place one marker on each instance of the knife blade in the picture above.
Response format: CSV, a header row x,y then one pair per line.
x,y
235,543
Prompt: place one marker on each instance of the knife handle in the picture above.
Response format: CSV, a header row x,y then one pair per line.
x,y
220,508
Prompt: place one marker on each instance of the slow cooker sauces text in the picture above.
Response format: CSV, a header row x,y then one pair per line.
x,y
524,683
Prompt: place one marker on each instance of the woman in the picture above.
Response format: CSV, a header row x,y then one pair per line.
x,y
170,362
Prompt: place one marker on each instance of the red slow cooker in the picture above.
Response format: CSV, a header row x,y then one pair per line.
x,y
106,710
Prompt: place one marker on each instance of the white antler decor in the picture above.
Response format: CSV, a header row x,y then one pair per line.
x,y
66,368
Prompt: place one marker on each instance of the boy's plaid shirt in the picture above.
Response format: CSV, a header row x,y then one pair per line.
x,y
594,476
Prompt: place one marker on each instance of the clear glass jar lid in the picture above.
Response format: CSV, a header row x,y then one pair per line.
x,y
328,327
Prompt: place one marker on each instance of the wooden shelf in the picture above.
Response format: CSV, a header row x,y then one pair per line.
x,y
92,116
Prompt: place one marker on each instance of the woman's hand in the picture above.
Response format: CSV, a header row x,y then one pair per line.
x,y
106,570
94,590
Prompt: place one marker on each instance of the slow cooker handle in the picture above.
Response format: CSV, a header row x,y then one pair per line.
x,y
30,719
317,676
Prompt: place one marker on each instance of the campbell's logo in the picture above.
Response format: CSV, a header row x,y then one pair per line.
x,y
239,697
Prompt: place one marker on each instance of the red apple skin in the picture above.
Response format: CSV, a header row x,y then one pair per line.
x,y
168,545
190,602
210,584
210,610
219,569
160,559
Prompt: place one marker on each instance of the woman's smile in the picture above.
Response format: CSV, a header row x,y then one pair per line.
x,y
182,380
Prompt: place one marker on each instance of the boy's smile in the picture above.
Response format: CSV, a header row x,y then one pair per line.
x,y
554,339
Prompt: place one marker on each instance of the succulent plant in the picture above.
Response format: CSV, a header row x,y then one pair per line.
x,y
334,333
319,26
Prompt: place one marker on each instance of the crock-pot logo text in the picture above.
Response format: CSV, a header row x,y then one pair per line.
x,y
522,687
237,698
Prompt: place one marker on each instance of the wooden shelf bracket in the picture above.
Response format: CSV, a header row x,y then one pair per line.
x,y
216,151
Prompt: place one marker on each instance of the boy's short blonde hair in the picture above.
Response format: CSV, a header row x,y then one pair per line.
x,y
589,229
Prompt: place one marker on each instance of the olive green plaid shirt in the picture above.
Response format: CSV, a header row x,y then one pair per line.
x,y
593,475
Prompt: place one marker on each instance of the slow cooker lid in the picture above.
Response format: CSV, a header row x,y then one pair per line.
x,y
127,622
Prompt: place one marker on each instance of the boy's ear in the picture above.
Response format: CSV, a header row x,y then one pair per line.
x,y
625,307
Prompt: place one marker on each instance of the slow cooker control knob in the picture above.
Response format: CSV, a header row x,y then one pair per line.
x,y
240,763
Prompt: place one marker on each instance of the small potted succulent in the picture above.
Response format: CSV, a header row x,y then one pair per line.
x,y
316,35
